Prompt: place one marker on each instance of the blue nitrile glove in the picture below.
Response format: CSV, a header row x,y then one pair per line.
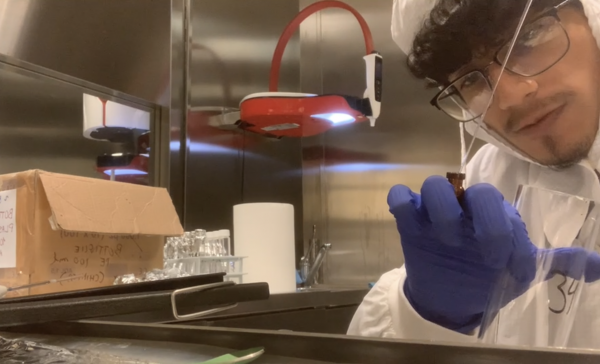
x,y
455,255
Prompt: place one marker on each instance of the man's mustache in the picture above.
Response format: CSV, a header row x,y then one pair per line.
x,y
517,114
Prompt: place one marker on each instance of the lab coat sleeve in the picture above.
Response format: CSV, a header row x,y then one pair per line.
x,y
386,313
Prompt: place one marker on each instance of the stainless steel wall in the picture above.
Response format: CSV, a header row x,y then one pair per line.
x,y
232,45
127,49
349,170
171,135
338,181
41,127
120,44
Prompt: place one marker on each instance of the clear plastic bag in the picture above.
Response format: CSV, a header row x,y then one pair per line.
x,y
543,316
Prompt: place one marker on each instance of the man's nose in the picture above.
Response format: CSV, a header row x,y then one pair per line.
x,y
512,90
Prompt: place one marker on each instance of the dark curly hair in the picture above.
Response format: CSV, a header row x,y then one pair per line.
x,y
458,31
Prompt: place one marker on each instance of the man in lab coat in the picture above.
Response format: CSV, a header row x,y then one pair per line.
x,y
542,130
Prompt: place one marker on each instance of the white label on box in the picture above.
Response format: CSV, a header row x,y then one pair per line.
x,y
8,229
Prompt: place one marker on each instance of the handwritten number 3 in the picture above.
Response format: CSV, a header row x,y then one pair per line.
x,y
571,291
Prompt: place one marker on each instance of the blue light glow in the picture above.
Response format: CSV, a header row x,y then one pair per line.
x,y
125,172
364,167
335,117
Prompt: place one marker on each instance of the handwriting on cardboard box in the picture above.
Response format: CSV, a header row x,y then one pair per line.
x,y
8,229
97,259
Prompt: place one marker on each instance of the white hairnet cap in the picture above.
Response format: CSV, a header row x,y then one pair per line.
x,y
408,17
592,11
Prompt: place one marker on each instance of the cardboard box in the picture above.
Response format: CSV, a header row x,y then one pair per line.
x,y
55,226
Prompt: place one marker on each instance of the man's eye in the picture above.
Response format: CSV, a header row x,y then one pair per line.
x,y
535,38
522,50
536,34
530,36
468,81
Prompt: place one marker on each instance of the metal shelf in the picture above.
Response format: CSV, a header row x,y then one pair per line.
x,y
322,347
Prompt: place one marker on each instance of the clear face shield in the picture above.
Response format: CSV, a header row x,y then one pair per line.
x,y
471,98
526,99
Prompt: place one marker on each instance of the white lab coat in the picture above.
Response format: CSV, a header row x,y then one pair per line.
x,y
385,311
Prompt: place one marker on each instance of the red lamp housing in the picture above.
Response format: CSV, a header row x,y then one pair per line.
x,y
279,114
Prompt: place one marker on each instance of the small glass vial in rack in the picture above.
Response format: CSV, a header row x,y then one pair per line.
x,y
225,237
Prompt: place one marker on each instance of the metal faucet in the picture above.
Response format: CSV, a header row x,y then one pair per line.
x,y
311,262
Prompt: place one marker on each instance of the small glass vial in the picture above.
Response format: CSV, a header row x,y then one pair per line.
x,y
225,236
457,181
199,239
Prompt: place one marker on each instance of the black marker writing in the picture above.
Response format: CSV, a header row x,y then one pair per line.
x,y
59,260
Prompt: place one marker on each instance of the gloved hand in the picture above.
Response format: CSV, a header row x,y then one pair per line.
x,y
455,255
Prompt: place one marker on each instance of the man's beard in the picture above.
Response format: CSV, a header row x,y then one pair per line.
x,y
569,156
560,157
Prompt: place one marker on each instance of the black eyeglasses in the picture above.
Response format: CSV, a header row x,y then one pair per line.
x,y
540,45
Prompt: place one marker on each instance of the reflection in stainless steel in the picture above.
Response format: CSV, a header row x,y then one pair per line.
x,y
232,46
41,125
124,45
29,352
83,350
97,45
349,171
294,345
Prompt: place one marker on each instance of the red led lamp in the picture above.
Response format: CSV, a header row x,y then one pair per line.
x,y
291,114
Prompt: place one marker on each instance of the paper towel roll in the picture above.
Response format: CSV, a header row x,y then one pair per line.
x,y
264,233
